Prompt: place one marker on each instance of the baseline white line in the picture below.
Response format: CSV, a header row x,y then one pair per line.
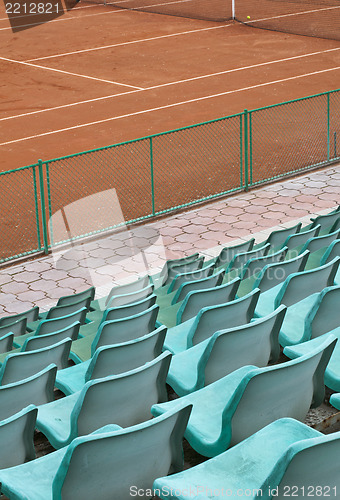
x,y
68,73
291,14
130,42
136,113
155,87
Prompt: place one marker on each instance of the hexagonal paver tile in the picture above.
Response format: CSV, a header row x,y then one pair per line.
x,y
26,276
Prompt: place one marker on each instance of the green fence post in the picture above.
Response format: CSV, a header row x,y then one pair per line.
x,y
250,147
152,178
42,203
328,127
246,150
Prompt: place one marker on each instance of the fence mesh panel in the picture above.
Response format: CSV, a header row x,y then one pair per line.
x,y
18,213
334,125
195,163
288,138
90,183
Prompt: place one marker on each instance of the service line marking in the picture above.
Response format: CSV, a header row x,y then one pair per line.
x,y
68,73
155,87
136,113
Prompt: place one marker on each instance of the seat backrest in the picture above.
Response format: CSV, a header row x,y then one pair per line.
x,y
228,253
175,262
124,329
273,274
197,299
296,241
30,315
182,278
332,251
103,463
123,399
37,390
252,344
6,342
214,318
327,221
130,298
120,358
41,341
255,265
16,437
21,365
283,390
299,285
315,244
186,267
17,327
66,309
57,324
311,465
129,309
240,259
325,315
76,297
201,284
277,238
134,286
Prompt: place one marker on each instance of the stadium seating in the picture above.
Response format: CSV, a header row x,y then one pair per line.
x,y
234,407
112,360
283,458
109,460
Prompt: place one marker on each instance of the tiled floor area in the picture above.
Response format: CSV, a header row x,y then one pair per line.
x,y
122,256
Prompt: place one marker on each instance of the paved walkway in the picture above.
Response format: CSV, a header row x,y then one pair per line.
x,y
122,256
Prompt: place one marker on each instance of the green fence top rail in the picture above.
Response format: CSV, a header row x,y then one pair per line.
x,y
295,100
18,169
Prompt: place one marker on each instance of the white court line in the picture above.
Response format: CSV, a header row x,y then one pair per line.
x,y
291,14
136,113
68,73
155,87
141,40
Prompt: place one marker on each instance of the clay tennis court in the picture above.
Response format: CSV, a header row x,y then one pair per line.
x,y
99,75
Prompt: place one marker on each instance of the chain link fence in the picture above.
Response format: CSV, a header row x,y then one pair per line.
x,y
68,198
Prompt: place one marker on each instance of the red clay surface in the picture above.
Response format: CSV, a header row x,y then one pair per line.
x,y
145,88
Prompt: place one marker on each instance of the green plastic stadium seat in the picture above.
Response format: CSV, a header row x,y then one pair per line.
x,y
158,278
236,406
195,300
106,461
332,251
273,274
182,270
328,222
317,247
17,327
21,365
36,390
239,260
227,253
53,325
112,360
165,294
312,318
115,332
203,284
295,242
335,400
253,267
296,287
6,342
123,399
60,312
277,238
210,320
30,315
284,458
17,438
255,343
131,297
